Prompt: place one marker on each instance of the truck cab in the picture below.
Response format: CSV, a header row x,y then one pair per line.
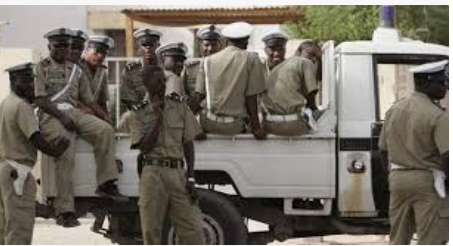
x,y
330,181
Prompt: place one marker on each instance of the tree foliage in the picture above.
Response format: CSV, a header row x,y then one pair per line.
x,y
349,22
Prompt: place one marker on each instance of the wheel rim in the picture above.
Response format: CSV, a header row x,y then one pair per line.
x,y
212,230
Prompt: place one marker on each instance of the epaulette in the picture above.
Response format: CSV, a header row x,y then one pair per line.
x,y
46,61
131,65
192,62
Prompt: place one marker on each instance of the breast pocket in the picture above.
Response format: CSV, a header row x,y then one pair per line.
x,y
55,85
175,123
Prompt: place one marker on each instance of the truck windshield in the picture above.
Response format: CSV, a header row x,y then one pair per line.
x,y
393,80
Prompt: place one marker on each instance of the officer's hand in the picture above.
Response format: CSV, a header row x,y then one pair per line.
x,y
86,110
191,190
259,134
68,123
60,147
148,141
201,137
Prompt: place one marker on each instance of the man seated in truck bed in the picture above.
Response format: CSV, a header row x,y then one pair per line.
x,y
291,88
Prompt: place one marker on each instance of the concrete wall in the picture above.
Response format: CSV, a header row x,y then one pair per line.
x,y
29,23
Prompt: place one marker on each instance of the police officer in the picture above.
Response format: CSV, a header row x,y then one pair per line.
x,y
231,81
59,85
171,57
210,43
78,40
414,145
19,141
132,89
165,186
93,66
291,89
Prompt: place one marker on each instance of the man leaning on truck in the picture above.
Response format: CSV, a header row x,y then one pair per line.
x,y
414,145
19,141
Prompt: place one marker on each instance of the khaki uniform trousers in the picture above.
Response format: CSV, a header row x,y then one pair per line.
x,y
162,191
17,213
288,129
98,134
220,128
415,207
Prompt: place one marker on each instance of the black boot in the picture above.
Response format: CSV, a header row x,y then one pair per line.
x,y
110,190
67,220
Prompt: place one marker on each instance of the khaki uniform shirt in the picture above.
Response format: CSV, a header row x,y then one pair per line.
x,y
189,75
132,87
288,85
98,82
52,78
415,133
178,127
17,124
233,75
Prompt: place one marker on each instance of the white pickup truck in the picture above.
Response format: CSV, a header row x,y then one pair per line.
x,y
336,167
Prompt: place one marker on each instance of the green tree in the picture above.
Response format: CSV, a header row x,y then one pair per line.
x,y
348,22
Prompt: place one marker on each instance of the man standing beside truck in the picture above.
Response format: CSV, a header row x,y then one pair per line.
x,y
19,141
414,146
167,147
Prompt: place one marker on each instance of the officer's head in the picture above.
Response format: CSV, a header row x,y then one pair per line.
x,y
22,80
59,43
210,39
148,40
172,56
238,34
77,41
275,47
432,79
312,51
97,49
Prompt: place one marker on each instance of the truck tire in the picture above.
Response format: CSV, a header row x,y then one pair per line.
x,y
223,224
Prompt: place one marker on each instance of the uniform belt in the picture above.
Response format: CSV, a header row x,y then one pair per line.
x,y
394,166
139,105
165,163
439,177
64,106
283,118
220,119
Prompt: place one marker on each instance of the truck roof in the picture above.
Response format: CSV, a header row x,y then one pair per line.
x,y
402,47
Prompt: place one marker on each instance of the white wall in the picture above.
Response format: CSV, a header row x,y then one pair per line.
x,y
29,23
10,57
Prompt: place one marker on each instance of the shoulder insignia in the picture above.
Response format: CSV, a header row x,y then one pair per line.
x,y
46,61
192,62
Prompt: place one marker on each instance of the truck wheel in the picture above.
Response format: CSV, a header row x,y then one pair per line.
x,y
223,224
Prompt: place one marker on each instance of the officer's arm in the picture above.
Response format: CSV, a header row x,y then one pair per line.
x,y
98,111
49,108
384,160
195,103
189,155
53,150
252,109
445,163
311,100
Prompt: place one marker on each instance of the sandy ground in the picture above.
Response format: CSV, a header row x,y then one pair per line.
x,y
46,232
